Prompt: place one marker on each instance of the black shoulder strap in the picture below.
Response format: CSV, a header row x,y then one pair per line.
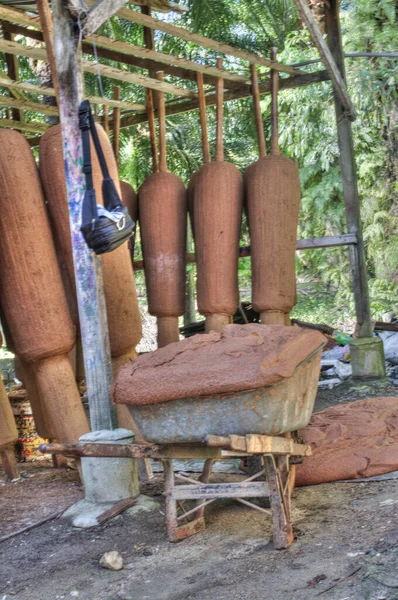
x,y
89,207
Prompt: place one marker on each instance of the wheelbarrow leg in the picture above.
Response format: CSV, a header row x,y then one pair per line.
x,y
204,478
171,504
277,471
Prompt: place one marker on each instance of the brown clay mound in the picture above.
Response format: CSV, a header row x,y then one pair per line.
x,y
241,357
357,439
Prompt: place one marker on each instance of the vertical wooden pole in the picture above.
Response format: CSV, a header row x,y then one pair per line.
x,y
12,71
46,23
349,177
219,154
116,125
89,286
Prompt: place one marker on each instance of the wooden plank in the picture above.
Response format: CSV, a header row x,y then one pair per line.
x,y
265,444
101,450
135,78
137,56
89,285
46,23
28,105
189,529
167,59
105,70
31,126
176,108
327,57
252,489
349,178
200,40
99,14
346,239
47,91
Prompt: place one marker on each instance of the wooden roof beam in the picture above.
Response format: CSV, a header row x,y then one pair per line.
x,y
32,126
138,56
48,91
44,109
99,13
105,70
174,108
201,40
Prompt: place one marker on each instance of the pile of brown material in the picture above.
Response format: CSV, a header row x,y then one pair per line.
x,y
356,439
241,357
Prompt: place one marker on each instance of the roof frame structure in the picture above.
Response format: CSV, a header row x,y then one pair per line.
x,y
69,72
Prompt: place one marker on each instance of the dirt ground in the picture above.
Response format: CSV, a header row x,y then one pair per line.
x,y
346,545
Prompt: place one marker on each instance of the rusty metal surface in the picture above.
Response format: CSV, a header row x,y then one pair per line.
x,y
273,410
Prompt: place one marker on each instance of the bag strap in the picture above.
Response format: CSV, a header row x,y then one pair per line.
x,y
84,125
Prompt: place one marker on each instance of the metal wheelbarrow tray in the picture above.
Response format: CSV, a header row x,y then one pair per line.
x,y
272,410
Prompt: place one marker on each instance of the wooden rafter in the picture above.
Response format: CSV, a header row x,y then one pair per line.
x,y
201,40
32,127
27,105
176,108
137,56
105,70
47,91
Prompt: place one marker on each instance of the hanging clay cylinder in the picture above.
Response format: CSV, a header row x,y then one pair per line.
x,y
272,189
31,289
163,225
124,322
217,212
130,200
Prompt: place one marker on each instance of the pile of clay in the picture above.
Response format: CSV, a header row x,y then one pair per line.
x,y
241,357
352,440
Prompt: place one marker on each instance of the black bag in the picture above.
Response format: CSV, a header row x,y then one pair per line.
x,y
106,227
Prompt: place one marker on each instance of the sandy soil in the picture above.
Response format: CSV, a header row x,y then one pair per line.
x,y
346,546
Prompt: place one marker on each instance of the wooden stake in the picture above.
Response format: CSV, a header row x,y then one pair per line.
x,y
116,125
105,118
162,128
203,121
89,285
219,156
262,151
152,129
274,107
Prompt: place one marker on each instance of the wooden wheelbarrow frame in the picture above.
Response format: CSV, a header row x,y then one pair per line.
x,y
275,453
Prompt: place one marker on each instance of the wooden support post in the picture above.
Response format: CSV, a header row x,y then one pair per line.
x,y
89,286
116,124
277,471
328,54
349,177
13,72
46,23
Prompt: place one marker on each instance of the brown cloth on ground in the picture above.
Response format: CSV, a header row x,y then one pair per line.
x,y
356,439
241,357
